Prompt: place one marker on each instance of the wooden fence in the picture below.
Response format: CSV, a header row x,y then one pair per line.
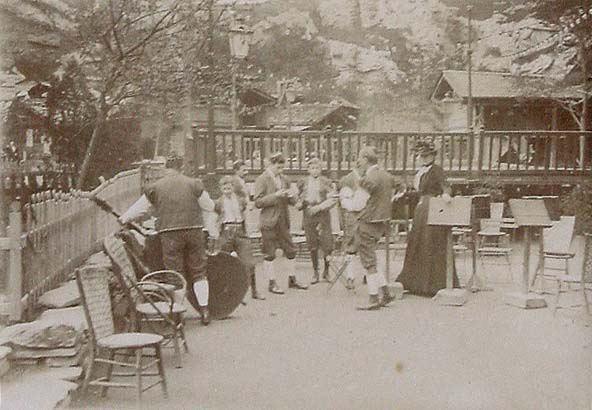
x,y
54,233
514,153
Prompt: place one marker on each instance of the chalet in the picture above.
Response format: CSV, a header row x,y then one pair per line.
x,y
502,101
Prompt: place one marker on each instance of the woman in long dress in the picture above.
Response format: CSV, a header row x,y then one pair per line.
x,y
424,269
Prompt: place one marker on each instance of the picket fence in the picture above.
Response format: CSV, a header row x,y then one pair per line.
x,y
53,234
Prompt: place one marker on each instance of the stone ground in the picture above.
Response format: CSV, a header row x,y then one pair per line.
x,y
313,350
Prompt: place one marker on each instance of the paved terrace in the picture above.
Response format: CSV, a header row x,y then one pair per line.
x,y
313,350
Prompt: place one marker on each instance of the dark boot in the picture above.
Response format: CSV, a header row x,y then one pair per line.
x,y
293,284
274,288
386,296
205,315
254,293
373,303
315,278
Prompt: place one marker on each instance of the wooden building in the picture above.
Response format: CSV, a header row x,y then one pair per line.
x,y
502,101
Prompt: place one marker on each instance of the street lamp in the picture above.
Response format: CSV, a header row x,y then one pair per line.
x,y
240,37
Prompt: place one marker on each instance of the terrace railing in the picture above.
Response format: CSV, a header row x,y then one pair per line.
x,y
485,152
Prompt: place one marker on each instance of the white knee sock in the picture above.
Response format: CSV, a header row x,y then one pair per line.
x,y
268,270
380,279
350,269
202,292
291,268
372,282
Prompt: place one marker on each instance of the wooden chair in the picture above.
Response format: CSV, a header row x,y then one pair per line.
x,y
165,316
94,292
584,279
493,243
556,247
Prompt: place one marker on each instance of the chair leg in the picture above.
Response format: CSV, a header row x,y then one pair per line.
x,y
139,373
109,372
182,332
557,298
89,370
586,303
175,340
163,382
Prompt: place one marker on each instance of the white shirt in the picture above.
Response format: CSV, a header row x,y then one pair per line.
x,y
231,210
313,190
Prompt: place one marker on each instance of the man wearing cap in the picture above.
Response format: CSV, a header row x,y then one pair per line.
x,y
348,186
373,221
177,201
273,196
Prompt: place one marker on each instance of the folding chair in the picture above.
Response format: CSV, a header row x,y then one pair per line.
x,y
93,286
584,280
339,261
161,315
556,247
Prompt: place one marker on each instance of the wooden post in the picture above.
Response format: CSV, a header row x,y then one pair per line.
x,y
449,259
387,240
526,260
15,267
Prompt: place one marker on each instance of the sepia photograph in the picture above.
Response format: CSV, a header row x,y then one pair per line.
x,y
296,204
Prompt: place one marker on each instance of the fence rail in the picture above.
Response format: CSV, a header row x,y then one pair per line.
x,y
517,152
55,232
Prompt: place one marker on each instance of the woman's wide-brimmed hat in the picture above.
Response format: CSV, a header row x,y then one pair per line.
x,y
425,148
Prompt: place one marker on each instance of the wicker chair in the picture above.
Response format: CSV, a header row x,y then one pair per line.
x,y
156,313
584,280
94,291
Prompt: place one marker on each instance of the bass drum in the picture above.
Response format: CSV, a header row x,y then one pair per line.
x,y
228,283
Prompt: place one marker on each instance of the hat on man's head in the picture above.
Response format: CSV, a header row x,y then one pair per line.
x,y
174,161
277,158
314,159
369,152
425,148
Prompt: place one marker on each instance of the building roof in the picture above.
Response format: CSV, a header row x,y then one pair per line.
x,y
498,85
303,116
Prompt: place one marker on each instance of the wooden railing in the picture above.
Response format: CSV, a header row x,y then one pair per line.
x,y
484,152
54,233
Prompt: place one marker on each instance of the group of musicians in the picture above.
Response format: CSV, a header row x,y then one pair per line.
x,y
184,209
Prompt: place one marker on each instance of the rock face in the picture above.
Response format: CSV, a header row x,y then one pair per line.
x,y
64,296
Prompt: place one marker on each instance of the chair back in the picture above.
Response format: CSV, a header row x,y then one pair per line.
x,y
496,210
491,225
115,249
587,262
93,285
557,239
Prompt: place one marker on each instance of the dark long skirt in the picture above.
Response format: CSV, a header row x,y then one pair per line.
x,y
424,269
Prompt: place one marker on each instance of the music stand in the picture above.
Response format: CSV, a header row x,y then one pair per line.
x,y
456,212
531,214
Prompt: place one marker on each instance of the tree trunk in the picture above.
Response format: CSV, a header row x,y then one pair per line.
x,y
92,146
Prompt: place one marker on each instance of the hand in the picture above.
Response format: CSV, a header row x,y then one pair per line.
x,y
447,198
313,210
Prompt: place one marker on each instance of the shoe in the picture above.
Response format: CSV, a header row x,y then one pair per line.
x,y
293,284
349,284
205,315
373,304
254,293
315,278
387,298
274,288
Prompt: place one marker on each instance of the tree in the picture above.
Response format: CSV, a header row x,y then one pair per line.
x,y
574,19
113,56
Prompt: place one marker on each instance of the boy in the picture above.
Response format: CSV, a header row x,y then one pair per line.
x,y
230,208
315,200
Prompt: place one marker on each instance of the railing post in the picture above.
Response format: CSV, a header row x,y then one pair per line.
x,y
481,150
15,266
339,141
471,136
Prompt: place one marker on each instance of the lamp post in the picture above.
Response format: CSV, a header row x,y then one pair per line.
x,y
240,37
